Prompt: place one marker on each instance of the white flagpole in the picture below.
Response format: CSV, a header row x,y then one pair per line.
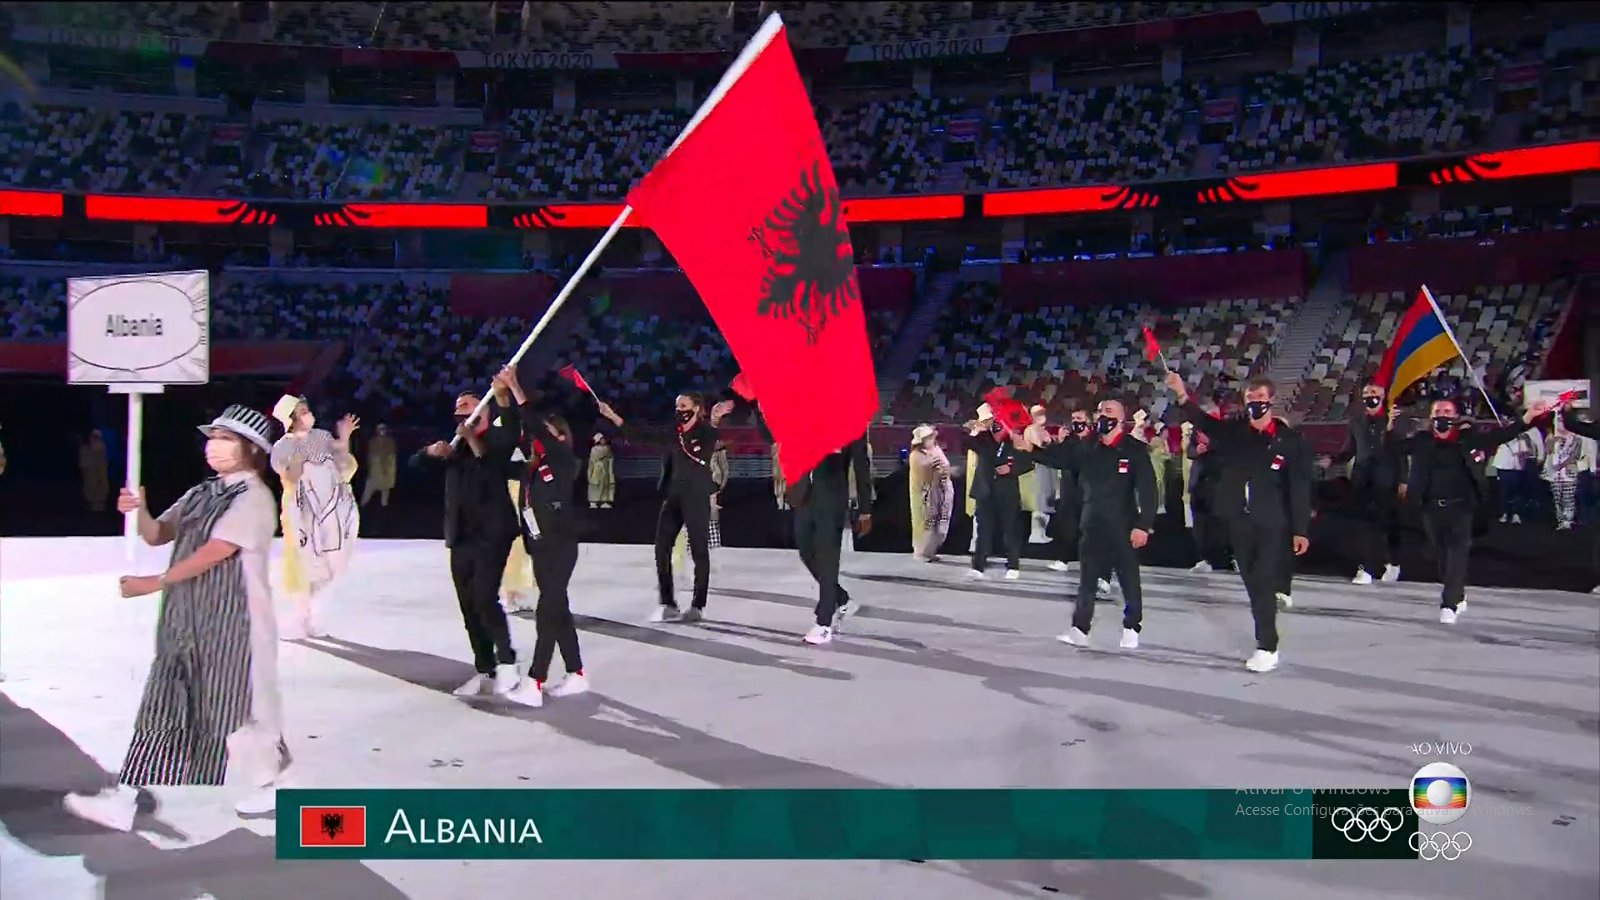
x,y
769,29
1477,382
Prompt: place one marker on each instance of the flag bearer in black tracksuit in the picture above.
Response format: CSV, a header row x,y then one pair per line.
x,y
1263,492
550,535
479,525
1119,512
1374,450
1590,430
1448,481
687,484
996,493
821,502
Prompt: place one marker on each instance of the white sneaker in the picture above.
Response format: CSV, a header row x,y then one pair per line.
x,y
1516,520
1361,576
1130,639
664,613
528,693
1391,573
1201,568
974,575
1074,636
1262,661
294,629
506,678
1013,574
113,808
819,634
1104,586
575,683
1058,566
1503,520
1286,601
1447,616
473,687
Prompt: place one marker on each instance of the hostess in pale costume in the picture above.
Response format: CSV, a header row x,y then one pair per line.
x,y
320,514
211,699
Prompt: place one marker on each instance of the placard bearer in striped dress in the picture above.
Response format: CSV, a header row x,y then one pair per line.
x,y
211,696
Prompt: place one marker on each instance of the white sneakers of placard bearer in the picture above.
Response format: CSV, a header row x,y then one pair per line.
x,y
1057,565
844,611
1130,639
1013,574
974,575
528,693
575,683
1104,587
1362,577
1262,661
1595,589
818,635
664,613
506,678
1448,616
473,687
1285,601
1391,573
114,808
1074,636
1201,568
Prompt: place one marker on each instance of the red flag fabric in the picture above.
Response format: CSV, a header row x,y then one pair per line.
x,y
1012,415
741,386
748,206
572,374
1152,347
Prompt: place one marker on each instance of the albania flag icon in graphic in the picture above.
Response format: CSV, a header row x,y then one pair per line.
x,y
748,206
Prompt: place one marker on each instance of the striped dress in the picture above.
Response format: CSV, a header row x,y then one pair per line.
x,y
199,690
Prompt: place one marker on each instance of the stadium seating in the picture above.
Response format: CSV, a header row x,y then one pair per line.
x,y
1065,357
1359,109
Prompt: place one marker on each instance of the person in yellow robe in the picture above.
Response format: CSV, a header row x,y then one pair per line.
x,y
602,474
382,466
932,494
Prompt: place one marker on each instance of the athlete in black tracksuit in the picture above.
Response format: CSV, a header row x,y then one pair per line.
x,y
551,539
1263,492
1446,479
1119,513
821,501
687,484
997,497
479,525
1375,450
1069,506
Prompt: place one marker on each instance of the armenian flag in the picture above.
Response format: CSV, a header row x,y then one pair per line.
x,y
1422,343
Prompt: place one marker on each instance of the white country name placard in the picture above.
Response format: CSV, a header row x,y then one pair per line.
x,y
1536,392
152,329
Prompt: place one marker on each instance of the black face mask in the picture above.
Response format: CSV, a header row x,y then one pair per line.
x,y
1443,424
1372,402
1259,408
994,428
1079,427
1106,424
684,415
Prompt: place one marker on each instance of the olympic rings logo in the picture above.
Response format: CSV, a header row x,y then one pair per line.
x,y
1441,845
1368,822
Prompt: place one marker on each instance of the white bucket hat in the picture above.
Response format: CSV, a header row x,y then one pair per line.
x,y
246,423
284,409
985,414
922,433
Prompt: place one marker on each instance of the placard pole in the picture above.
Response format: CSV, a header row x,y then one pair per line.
x,y
135,460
